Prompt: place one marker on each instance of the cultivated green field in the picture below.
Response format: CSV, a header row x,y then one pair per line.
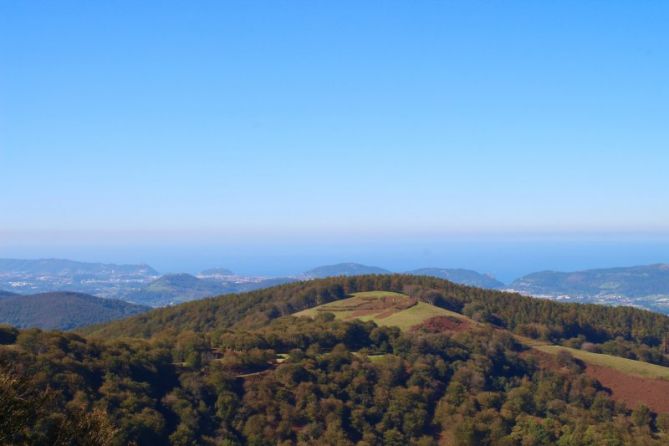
x,y
627,366
404,318
415,315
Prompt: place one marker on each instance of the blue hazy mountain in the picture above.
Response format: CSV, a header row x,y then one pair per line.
x,y
461,276
644,286
344,269
635,281
70,267
217,272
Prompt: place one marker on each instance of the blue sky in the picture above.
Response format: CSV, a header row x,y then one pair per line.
x,y
197,121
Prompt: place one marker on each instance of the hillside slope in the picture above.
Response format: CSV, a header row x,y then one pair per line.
x,y
63,310
630,381
512,311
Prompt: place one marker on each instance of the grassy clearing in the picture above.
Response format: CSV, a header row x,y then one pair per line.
x,y
405,318
627,366
415,315
344,308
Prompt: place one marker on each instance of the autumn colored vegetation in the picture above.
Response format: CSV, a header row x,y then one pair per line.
x,y
239,369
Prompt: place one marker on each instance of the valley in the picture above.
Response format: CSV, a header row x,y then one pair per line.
x,y
63,310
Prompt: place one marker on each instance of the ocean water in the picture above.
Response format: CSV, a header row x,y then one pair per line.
x,y
506,259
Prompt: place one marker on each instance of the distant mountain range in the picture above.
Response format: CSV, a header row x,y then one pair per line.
x,y
143,285
63,310
641,286
636,281
344,269
136,283
461,276
63,267
216,272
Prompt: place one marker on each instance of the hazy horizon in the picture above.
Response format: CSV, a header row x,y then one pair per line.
x,y
505,259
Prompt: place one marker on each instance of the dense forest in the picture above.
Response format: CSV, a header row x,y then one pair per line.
x,y
239,369
641,332
63,310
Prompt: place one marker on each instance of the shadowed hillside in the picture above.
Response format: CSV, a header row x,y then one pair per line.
x,y
63,310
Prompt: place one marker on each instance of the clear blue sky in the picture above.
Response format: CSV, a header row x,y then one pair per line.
x,y
279,119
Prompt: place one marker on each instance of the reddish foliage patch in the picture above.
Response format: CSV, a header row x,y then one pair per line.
x,y
633,390
380,307
439,324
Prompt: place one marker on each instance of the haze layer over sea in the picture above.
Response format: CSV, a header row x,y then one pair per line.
x,y
506,258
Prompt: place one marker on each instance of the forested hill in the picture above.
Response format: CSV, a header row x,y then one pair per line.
x,y
231,371
508,310
6,294
63,310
